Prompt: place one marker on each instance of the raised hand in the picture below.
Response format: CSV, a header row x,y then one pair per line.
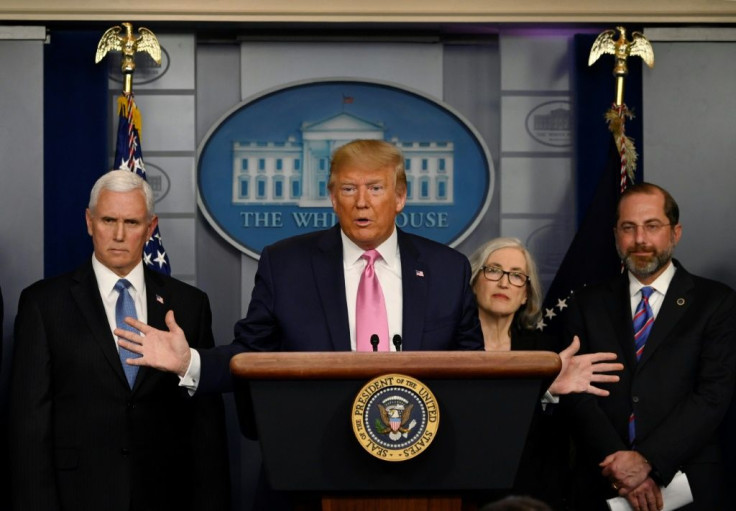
x,y
579,372
166,351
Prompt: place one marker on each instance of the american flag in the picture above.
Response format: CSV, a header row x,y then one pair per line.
x,y
592,255
128,156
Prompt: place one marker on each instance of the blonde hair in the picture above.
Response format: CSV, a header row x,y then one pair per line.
x,y
372,154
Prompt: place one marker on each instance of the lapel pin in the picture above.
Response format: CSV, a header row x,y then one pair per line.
x,y
159,299
680,302
420,273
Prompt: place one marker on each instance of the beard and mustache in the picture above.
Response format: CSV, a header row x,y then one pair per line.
x,y
645,266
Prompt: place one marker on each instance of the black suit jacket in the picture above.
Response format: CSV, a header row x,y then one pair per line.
x,y
679,390
81,439
544,471
298,302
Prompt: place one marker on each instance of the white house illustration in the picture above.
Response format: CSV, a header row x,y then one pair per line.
x,y
296,173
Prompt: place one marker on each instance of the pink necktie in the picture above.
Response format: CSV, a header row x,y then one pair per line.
x,y
370,310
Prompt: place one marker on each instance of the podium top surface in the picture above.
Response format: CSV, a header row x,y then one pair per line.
x,y
420,364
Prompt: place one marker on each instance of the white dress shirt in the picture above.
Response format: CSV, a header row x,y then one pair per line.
x,y
106,280
660,286
388,272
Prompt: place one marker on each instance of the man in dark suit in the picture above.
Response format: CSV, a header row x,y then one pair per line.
x,y
307,287
678,347
85,433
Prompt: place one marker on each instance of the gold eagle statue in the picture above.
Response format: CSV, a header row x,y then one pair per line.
x,y
128,45
621,49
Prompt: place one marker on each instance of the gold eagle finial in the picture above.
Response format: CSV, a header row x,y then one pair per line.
x,y
639,46
621,49
128,44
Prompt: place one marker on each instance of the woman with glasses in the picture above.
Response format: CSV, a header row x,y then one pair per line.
x,y
507,288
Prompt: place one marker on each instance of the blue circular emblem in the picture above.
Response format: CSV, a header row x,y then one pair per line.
x,y
262,170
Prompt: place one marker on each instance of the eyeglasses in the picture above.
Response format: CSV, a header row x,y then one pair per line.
x,y
494,274
650,228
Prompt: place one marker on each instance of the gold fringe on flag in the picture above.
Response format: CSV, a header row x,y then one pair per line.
x,y
123,111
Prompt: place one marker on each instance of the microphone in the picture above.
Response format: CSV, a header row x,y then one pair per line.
x,y
374,342
397,342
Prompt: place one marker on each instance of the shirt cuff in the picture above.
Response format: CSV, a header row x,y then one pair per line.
x,y
190,380
549,399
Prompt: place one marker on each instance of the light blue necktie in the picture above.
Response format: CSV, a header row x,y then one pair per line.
x,y
124,308
643,321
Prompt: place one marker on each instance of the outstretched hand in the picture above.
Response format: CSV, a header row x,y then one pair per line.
x,y
579,372
166,351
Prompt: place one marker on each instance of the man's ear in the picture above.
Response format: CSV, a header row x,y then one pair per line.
x,y
88,219
152,225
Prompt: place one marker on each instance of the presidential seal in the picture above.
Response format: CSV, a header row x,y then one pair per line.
x,y
395,417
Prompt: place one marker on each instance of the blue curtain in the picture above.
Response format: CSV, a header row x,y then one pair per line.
x,y
75,144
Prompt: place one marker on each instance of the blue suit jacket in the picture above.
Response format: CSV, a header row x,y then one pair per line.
x,y
298,302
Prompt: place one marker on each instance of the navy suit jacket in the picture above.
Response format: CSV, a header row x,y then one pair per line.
x,y
81,438
298,302
679,390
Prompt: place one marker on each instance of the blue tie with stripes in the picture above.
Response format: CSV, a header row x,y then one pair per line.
x,y
124,308
643,321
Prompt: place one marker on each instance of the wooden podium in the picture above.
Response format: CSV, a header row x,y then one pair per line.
x,y
299,406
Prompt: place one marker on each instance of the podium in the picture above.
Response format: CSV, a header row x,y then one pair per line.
x,y
299,406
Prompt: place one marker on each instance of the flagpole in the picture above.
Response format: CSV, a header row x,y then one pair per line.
x,y
128,152
622,49
592,256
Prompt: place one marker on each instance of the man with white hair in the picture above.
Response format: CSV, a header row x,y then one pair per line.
x,y
87,431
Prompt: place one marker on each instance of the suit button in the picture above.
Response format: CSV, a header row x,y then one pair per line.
x,y
635,399
124,451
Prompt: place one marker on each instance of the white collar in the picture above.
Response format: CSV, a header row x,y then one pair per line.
x,y
106,278
660,284
389,250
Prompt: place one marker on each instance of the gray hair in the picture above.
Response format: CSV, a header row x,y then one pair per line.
x,y
530,313
122,181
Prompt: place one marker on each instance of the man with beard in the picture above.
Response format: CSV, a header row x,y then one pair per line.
x,y
676,335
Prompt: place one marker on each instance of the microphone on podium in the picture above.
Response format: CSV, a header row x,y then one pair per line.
x,y
374,342
397,342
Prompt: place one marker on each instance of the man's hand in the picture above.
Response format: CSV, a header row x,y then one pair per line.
x,y
645,497
579,372
626,470
167,351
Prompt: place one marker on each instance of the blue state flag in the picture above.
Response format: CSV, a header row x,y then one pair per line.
x,y
128,156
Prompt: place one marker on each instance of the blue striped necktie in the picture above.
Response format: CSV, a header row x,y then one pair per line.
x,y
643,321
125,308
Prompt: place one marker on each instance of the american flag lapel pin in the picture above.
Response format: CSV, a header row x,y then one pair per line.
x,y
160,299
420,273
